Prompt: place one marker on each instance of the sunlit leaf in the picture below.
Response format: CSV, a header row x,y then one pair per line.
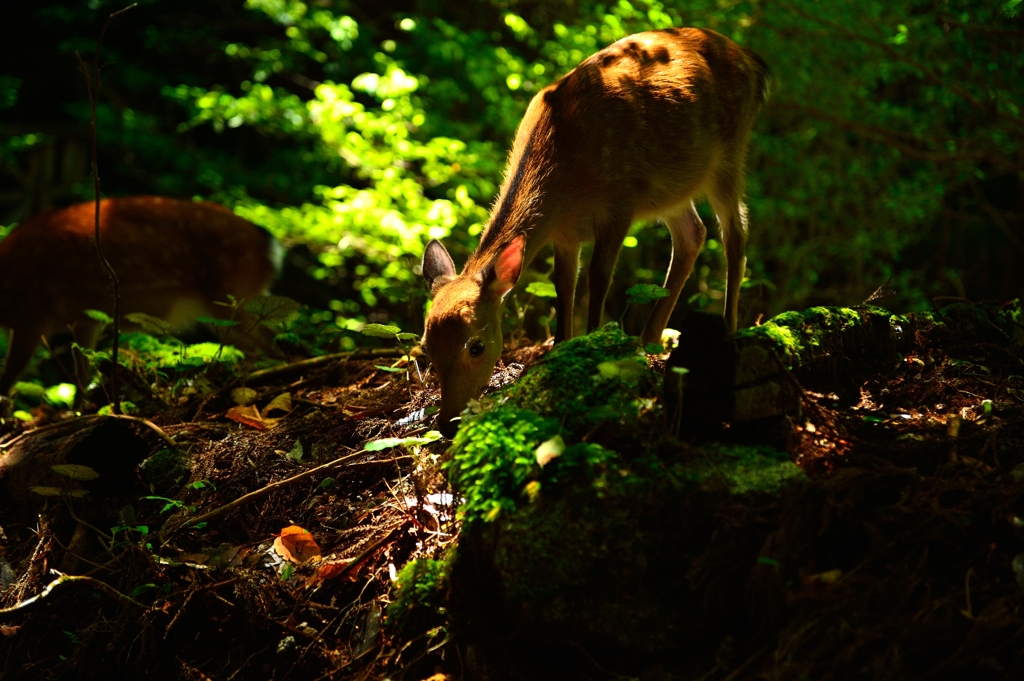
x,y
542,289
282,402
273,310
380,331
296,545
550,450
388,442
99,316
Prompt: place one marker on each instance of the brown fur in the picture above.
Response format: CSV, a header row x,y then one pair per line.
x,y
173,259
638,130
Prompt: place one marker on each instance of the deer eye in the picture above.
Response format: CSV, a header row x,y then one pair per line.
x,y
476,349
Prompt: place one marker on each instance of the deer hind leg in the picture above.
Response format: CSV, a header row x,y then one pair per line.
x,y
607,244
732,216
567,265
21,345
688,234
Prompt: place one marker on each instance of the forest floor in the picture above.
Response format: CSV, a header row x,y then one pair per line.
x,y
919,499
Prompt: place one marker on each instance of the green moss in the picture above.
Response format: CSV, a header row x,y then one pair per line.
x,y
754,469
602,376
420,595
587,379
800,336
166,469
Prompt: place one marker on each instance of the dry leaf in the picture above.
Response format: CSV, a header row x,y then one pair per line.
x,y
331,570
9,631
827,577
549,450
296,545
249,416
282,402
244,396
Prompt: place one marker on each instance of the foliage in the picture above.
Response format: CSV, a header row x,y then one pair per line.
x,y
493,459
148,353
890,148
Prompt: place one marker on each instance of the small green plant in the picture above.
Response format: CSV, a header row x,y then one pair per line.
x,y
72,472
420,597
405,342
172,504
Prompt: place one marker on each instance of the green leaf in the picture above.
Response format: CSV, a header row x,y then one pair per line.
x,y
61,395
381,331
99,316
390,370
645,293
29,390
142,588
388,442
654,348
216,321
274,310
542,289
295,454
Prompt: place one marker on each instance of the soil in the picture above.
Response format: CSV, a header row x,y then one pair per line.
x,y
906,557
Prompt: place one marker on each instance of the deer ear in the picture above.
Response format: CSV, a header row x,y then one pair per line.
x,y
437,265
506,267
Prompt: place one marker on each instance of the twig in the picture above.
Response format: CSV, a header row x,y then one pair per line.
x,y
264,491
93,91
168,440
370,550
30,603
736,672
372,353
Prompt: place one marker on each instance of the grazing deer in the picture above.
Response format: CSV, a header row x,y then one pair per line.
x,y
173,259
638,130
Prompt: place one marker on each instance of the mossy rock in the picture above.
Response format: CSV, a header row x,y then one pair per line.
x,y
166,469
597,546
587,379
834,349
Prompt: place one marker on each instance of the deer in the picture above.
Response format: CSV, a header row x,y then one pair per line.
x,y
173,258
637,131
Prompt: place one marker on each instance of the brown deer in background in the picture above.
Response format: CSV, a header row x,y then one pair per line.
x,y
173,259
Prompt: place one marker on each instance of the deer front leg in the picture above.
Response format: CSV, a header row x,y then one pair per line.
x,y
607,244
567,264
